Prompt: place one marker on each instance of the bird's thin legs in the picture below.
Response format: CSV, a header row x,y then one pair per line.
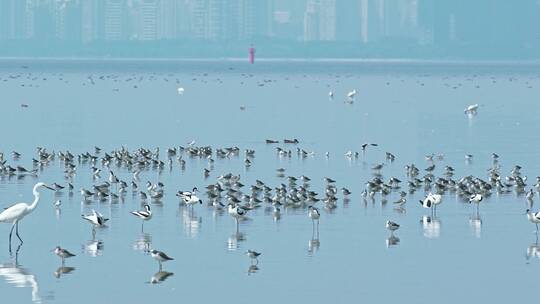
x,y
10,233
17,232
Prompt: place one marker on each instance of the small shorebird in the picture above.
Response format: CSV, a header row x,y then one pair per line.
x,y
314,215
391,226
476,198
62,253
96,219
471,109
160,256
145,214
236,212
533,218
253,255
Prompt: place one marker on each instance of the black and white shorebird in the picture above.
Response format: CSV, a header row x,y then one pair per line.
x,y
145,214
533,218
160,256
96,219
392,226
237,212
62,253
431,201
253,255
314,215
471,109
476,198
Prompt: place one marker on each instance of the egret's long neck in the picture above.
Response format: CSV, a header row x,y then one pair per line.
x,y
36,200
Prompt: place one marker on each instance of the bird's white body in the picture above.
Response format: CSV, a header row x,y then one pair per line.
x,y
476,198
314,213
181,91
533,217
95,218
392,226
145,214
471,108
18,211
236,211
431,200
351,94
191,200
160,256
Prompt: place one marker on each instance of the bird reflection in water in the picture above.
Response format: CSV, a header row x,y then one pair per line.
x,y
192,222
313,245
63,270
143,242
475,222
392,240
20,277
431,227
93,248
160,276
235,239
533,251
252,269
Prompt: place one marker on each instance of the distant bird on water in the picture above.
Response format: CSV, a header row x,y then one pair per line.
x,y
63,253
392,226
533,218
253,255
471,109
160,256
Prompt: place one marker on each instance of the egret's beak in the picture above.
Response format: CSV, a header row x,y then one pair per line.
x,y
50,188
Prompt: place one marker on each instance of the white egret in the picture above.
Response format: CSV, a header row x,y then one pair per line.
x,y
18,211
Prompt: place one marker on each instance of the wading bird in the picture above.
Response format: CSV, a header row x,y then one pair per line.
x,y
18,211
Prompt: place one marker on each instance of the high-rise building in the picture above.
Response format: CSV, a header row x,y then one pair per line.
x,y
147,20
67,17
207,19
320,20
44,21
115,20
92,22
311,21
16,19
327,20
167,19
372,20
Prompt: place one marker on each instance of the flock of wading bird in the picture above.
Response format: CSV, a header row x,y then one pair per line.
x,y
227,192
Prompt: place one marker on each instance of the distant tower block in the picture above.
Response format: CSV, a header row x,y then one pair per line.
x,y
251,55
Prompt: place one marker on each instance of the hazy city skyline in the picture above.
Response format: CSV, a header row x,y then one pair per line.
x,y
373,27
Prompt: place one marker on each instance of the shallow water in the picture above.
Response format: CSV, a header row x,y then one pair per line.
x,y
411,112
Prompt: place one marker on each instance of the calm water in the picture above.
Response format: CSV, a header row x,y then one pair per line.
x,y
410,110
